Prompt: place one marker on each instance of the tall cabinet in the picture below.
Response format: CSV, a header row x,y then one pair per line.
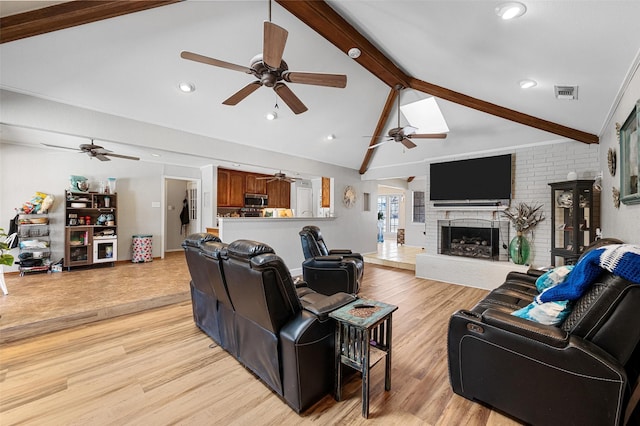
x,y
575,215
91,235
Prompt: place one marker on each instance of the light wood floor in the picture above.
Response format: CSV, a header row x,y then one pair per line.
x,y
156,367
389,253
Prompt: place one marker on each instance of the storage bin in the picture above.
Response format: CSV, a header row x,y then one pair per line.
x,y
142,248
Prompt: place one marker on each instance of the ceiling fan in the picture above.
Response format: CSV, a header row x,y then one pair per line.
x,y
271,70
278,176
95,151
406,133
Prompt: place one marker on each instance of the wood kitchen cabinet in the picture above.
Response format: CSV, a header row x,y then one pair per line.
x,y
223,188
236,189
326,192
231,188
234,184
279,193
255,185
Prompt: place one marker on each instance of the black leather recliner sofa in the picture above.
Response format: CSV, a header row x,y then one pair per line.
x,y
329,271
279,331
581,372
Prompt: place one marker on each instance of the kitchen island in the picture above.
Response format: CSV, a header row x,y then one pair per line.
x,y
281,233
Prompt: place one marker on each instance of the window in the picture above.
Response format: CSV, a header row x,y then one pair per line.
x,y
418,206
389,205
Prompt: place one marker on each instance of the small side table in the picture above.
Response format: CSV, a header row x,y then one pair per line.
x,y
363,337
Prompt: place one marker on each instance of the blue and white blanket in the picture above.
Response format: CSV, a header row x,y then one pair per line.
x,y
560,286
620,259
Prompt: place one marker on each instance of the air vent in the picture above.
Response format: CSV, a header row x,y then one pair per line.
x,y
566,92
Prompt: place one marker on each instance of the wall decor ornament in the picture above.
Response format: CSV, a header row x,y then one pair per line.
x,y
349,196
611,161
616,197
629,141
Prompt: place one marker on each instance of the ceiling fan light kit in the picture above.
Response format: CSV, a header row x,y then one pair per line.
x,y
510,10
271,115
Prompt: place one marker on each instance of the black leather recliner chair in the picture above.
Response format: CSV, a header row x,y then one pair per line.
x,y
203,295
329,271
581,372
282,333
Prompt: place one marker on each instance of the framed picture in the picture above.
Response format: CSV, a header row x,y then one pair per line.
x,y
630,158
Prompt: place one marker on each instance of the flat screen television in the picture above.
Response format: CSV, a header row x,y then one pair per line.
x,y
486,178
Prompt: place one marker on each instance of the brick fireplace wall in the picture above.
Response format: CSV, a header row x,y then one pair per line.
x,y
534,168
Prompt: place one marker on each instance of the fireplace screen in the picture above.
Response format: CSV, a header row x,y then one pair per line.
x,y
477,238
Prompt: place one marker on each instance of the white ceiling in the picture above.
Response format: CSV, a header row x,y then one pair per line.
x,y
130,66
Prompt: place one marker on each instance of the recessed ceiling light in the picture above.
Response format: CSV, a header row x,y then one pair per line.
x,y
331,137
271,115
354,53
527,84
187,87
510,10
153,154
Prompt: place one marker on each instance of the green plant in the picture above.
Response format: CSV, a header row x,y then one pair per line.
x,y
524,217
5,258
380,215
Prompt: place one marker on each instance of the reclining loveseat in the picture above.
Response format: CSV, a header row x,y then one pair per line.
x,y
582,371
244,298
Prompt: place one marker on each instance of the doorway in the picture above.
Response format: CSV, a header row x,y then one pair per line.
x,y
181,201
391,203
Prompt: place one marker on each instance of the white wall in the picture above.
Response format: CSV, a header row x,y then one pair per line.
x,y
25,170
622,223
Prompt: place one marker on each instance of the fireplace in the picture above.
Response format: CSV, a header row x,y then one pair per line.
x,y
475,238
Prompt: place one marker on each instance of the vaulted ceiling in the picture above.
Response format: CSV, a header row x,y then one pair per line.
x,y
128,64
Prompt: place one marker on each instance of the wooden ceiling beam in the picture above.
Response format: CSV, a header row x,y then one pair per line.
x,y
320,17
382,121
69,14
498,111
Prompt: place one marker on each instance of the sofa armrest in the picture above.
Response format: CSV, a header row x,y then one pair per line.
x,y
322,304
547,334
331,258
340,251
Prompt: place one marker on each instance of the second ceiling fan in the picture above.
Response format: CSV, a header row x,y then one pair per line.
x,y
271,70
406,133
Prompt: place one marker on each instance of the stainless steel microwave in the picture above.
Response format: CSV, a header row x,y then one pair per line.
x,y
256,200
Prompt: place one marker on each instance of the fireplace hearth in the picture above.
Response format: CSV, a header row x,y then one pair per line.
x,y
475,238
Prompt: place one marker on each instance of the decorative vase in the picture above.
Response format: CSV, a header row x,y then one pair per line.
x,y
519,249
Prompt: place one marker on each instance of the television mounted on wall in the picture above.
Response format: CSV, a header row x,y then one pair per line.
x,y
486,179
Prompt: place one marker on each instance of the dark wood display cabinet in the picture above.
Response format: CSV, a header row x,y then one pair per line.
x,y
91,229
575,216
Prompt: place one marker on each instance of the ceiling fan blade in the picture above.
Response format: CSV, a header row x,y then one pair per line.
x,y
126,157
290,98
377,144
428,136
242,93
100,157
317,79
406,142
275,38
215,62
58,146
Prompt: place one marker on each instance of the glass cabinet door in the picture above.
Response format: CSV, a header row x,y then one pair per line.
x,y
573,215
